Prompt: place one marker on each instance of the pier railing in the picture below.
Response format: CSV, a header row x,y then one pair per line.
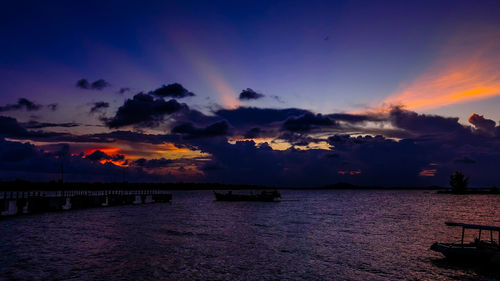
x,y
71,193
23,202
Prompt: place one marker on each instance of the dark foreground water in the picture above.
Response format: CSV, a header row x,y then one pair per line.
x,y
317,235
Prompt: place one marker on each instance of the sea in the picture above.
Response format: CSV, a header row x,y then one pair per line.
x,y
309,235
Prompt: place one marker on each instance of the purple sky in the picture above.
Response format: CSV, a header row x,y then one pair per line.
x,y
281,93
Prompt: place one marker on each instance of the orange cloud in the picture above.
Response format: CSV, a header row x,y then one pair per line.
x,y
468,70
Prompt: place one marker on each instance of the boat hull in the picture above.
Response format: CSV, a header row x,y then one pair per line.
x,y
468,253
263,197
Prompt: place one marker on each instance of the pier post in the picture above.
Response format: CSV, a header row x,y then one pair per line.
x,y
26,206
138,200
11,207
148,199
106,202
67,205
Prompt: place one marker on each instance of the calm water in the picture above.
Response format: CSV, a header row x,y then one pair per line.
x,y
339,235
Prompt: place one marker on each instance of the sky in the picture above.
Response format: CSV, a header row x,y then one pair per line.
x,y
281,93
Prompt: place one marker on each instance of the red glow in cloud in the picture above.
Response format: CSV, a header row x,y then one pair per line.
x,y
469,70
428,173
107,150
111,151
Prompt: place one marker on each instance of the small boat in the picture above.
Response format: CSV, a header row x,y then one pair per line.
x,y
479,251
264,196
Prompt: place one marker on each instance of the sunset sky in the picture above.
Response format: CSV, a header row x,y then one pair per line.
x,y
285,93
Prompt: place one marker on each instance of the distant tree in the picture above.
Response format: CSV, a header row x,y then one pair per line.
x,y
458,182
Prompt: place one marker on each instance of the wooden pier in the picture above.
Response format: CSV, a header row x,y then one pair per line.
x,y
26,202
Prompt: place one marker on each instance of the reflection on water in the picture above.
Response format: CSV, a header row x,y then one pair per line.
x,y
354,235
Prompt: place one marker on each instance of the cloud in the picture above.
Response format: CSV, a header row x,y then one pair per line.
x,y
152,163
481,123
421,124
137,137
123,90
174,90
97,106
22,103
298,138
83,84
253,133
98,155
10,128
356,118
53,106
302,149
96,85
307,122
39,125
251,116
278,99
143,110
465,160
190,132
26,161
250,94
99,84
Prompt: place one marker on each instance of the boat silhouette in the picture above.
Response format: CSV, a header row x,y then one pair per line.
x,y
478,251
263,196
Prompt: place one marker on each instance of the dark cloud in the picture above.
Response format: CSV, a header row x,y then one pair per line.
x,y
97,106
83,84
174,90
137,137
10,128
251,116
278,99
421,124
355,118
144,110
96,85
98,155
465,160
250,94
53,106
253,133
22,103
123,90
297,138
99,84
152,163
39,125
307,122
190,132
248,163
481,123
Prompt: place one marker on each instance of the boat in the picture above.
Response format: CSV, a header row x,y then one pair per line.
x,y
478,251
264,196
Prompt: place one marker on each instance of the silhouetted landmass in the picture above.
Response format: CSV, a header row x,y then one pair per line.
x,y
492,190
342,185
